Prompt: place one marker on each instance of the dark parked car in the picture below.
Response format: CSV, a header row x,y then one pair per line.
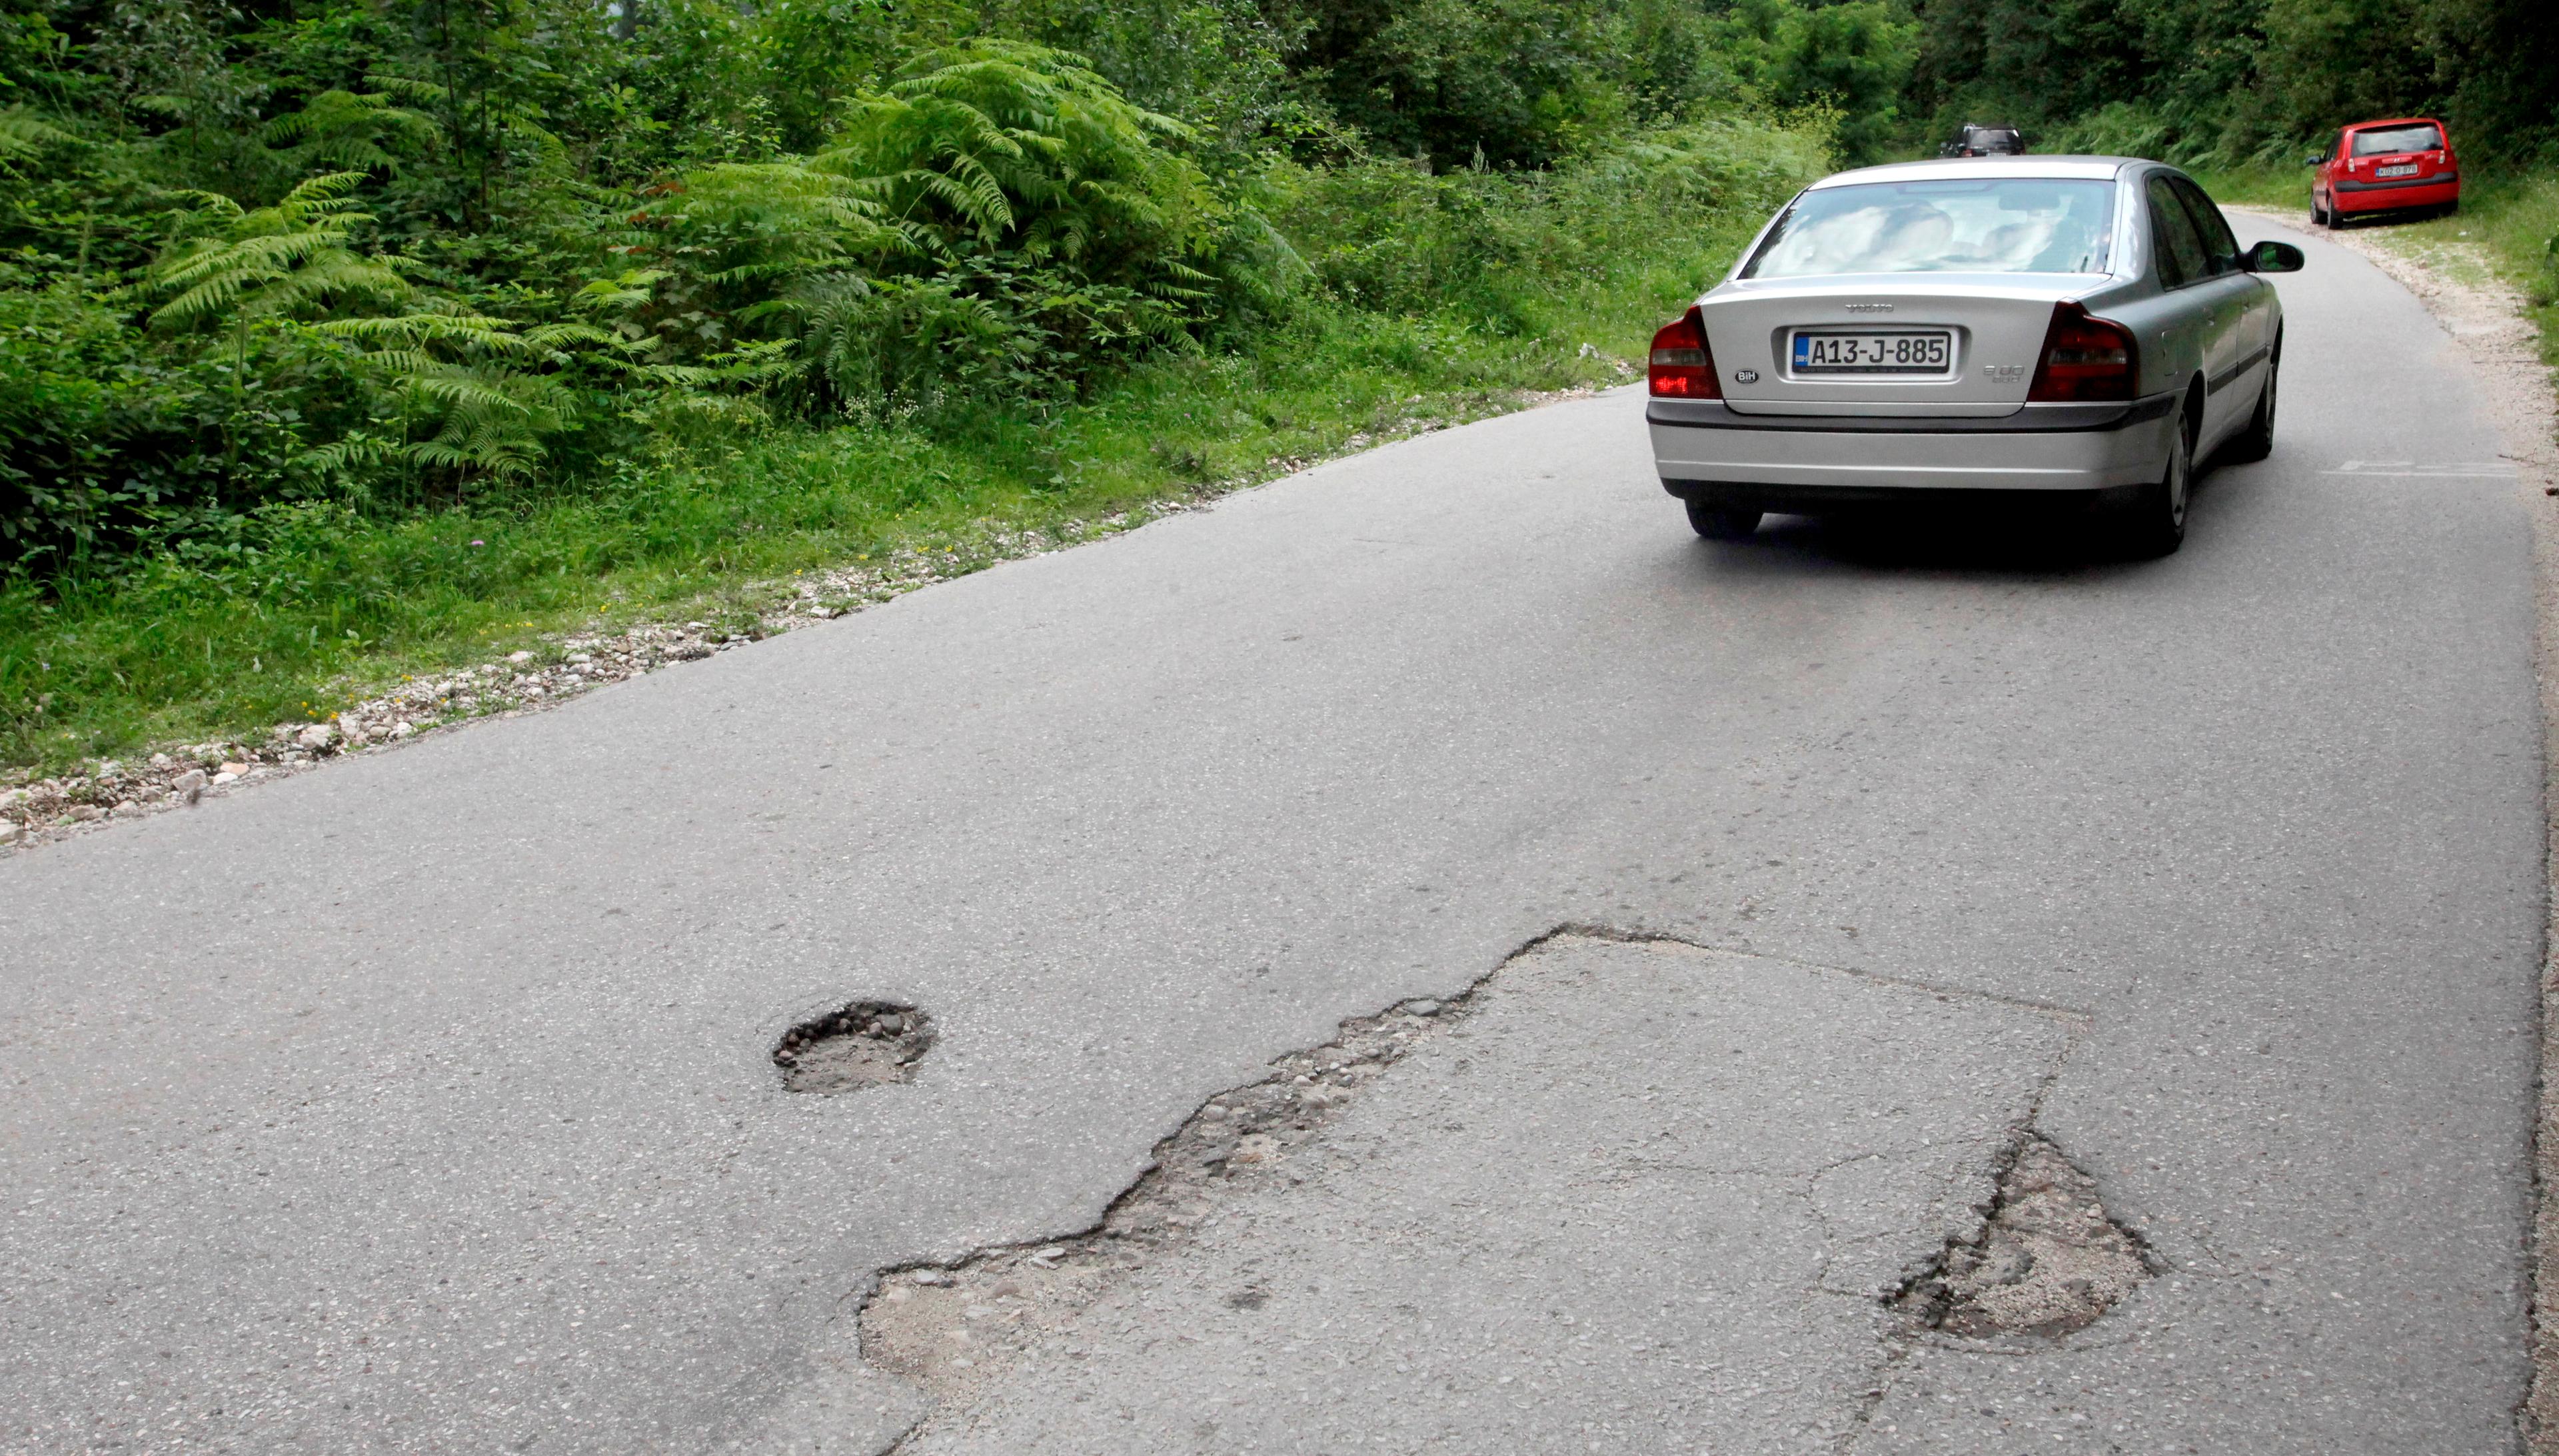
x,y
1985,141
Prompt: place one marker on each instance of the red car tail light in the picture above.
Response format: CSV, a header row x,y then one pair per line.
x,y
1682,367
2083,359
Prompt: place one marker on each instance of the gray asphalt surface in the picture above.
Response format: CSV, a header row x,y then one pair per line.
x,y
1710,1168
422,1104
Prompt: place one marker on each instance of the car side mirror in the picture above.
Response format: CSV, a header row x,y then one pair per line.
x,y
2271,256
2313,159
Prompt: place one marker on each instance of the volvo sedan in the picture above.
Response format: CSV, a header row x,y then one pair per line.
x,y
2003,330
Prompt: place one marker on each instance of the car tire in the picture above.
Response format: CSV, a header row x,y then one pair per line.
x,y
2156,525
2258,440
1721,523
2320,216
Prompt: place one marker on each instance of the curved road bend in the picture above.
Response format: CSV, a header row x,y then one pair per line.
x,y
421,1104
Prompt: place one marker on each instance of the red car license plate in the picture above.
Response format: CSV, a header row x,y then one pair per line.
x,y
2404,169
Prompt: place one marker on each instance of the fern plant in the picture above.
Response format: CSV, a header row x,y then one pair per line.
x,y
268,263
24,135
474,396
455,376
1001,144
348,131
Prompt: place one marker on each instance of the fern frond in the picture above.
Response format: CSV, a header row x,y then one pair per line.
x,y
25,134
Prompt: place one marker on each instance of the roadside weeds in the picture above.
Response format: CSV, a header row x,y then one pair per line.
x,y
568,665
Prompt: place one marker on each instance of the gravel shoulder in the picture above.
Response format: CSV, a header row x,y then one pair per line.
x,y
2460,286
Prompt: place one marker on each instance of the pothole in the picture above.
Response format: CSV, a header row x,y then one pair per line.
x,y
2049,1261
866,1044
950,1329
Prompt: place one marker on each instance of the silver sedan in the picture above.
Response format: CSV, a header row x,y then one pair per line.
x,y
2000,329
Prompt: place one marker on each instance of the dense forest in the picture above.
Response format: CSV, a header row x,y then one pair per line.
x,y
335,330
2234,81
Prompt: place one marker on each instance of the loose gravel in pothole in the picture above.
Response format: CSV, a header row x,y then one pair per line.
x,y
2050,1259
867,1043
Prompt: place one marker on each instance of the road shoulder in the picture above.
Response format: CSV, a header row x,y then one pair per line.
x,y
2489,323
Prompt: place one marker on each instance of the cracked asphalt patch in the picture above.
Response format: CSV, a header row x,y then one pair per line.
x,y
1641,1197
2049,1261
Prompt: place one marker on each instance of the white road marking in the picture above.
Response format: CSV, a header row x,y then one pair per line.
x,y
2464,470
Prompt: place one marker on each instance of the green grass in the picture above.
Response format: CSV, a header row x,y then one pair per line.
x,y
314,606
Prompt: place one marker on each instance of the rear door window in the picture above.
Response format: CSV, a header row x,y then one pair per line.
x,y
2221,244
2179,245
2383,141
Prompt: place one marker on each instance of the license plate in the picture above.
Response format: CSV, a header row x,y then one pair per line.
x,y
1827,352
2404,169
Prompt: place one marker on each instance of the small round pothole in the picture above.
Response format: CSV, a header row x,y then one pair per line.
x,y
866,1044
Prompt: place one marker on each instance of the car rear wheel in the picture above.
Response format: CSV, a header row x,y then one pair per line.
x,y
2258,440
1722,524
2157,524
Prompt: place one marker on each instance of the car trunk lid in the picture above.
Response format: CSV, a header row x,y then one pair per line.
x,y
1854,359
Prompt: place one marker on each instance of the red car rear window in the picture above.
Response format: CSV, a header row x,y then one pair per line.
x,y
2381,141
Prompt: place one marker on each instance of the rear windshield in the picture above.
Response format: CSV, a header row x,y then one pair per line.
x,y
1990,224
2381,141
2006,142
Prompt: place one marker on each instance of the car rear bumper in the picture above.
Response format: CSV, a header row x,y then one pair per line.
x,y
2413,191
1706,451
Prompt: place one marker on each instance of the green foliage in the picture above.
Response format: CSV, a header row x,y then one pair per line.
x,y
1001,143
2224,83
242,622
1396,239
275,262
289,290
1852,56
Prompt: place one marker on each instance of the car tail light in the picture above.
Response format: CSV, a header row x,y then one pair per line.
x,y
1682,367
2084,359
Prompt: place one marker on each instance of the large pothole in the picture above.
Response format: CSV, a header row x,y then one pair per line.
x,y
953,1328
863,1044
2050,1259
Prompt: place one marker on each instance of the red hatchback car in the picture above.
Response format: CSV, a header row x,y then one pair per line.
x,y
2385,167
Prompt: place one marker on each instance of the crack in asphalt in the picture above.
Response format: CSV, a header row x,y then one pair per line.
x,y
931,1319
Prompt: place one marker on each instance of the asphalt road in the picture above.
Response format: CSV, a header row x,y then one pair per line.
x,y
422,1104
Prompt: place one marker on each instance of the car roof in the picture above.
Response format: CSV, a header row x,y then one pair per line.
x,y
2397,121
2090,168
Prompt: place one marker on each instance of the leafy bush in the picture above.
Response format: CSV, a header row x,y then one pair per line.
x,y
1396,238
